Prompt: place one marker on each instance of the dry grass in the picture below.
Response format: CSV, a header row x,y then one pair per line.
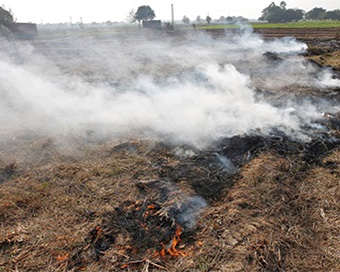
x,y
327,58
275,217
47,210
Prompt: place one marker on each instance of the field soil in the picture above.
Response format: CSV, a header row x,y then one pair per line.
x,y
301,33
118,205
298,33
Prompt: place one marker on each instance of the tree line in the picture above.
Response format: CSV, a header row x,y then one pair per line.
x,y
280,14
322,14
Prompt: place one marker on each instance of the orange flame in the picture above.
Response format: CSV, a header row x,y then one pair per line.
x,y
151,206
171,248
98,230
162,252
62,257
145,226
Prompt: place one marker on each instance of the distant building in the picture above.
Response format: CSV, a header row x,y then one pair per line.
x,y
24,30
152,24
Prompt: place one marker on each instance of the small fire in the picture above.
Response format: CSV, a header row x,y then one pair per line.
x,y
62,257
151,206
99,230
171,247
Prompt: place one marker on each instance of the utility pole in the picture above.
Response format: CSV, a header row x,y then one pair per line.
x,y
172,15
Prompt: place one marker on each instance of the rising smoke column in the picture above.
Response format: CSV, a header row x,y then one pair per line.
x,y
194,92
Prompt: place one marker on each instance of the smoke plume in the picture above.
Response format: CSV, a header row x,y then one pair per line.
x,y
192,89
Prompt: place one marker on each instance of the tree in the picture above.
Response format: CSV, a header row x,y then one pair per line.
x,y
279,14
230,20
266,11
131,16
144,13
333,15
186,20
276,15
316,14
208,19
198,19
222,19
6,17
6,21
293,15
283,5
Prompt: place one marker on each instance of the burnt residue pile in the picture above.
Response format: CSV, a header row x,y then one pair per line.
x,y
162,222
151,227
211,173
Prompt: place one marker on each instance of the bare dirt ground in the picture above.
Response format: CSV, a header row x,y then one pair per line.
x,y
298,33
301,33
109,206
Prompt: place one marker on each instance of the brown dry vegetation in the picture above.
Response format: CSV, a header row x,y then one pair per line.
x,y
328,59
278,213
325,53
277,218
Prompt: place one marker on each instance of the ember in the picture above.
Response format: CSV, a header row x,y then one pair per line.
x,y
62,257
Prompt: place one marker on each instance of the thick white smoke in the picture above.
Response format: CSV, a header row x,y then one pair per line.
x,y
194,91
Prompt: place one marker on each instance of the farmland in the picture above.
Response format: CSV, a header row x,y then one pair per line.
x,y
302,24
305,30
130,150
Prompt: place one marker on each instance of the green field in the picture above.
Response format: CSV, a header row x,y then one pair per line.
x,y
302,24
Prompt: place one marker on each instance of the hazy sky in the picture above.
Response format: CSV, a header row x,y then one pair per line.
x,y
60,11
